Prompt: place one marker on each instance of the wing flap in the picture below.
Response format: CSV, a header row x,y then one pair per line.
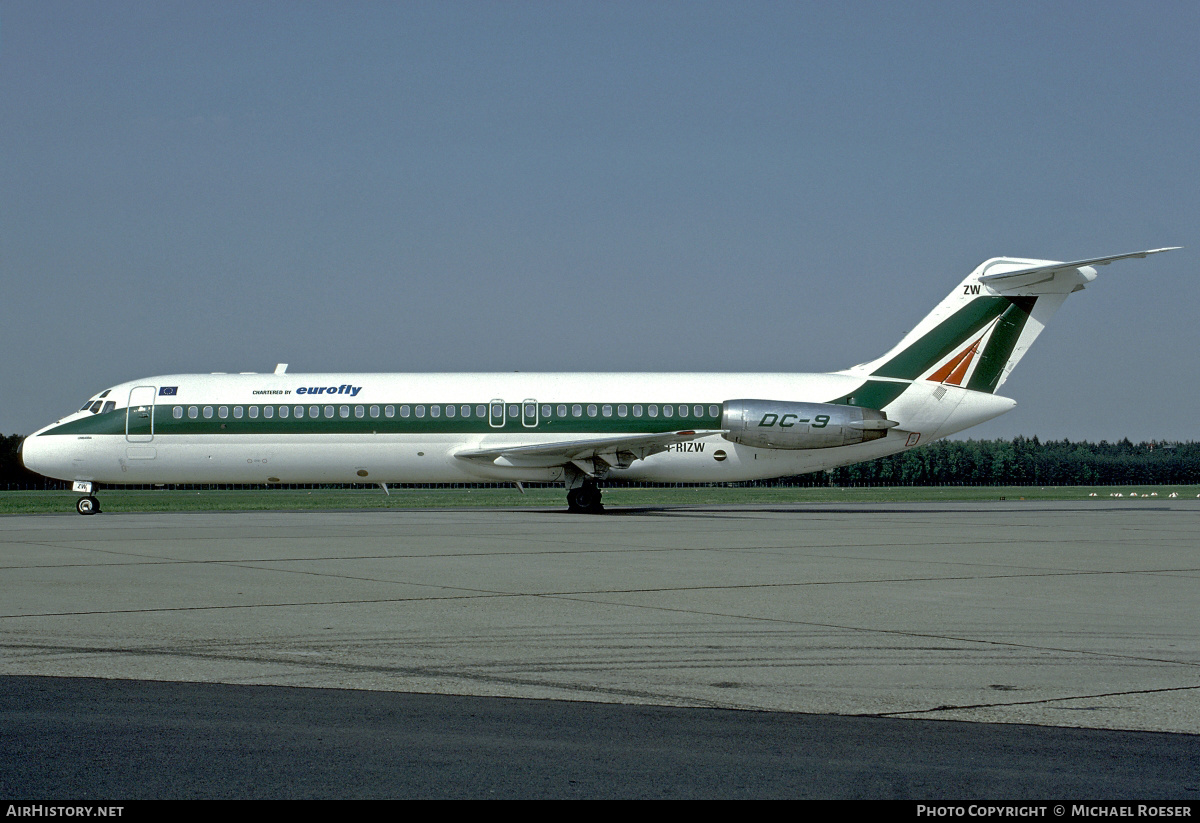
x,y
617,451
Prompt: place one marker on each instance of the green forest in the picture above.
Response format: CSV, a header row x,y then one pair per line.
x,y
1027,461
1018,462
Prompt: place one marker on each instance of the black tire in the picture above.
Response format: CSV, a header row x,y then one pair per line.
x,y
87,505
585,500
573,504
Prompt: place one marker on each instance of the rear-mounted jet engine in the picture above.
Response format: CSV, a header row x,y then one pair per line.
x,y
773,424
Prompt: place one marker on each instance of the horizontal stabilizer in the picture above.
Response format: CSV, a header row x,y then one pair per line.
x,y
1051,269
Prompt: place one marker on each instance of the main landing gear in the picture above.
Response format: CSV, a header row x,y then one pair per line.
x,y
585,499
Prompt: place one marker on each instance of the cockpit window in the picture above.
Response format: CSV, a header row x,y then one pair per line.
x,y
109,405
104,393
87,405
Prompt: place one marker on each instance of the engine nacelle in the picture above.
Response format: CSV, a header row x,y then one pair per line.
x,y
776,424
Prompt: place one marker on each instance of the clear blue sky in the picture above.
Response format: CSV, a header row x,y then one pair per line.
x,y
600,186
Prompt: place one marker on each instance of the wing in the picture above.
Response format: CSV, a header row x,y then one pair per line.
x,y
592,457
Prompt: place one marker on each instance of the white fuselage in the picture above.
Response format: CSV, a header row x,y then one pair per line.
x,y
408,428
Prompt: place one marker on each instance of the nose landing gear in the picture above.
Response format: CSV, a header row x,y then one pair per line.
x,y
87,504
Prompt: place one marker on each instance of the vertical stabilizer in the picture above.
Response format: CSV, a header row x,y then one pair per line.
x,y
976,336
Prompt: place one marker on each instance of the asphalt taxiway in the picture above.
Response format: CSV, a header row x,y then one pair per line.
x,y
1054,614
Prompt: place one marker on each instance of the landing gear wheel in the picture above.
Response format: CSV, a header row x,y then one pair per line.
x,y
87,505
585,499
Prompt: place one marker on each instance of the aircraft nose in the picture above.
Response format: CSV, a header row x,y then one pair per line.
x,y
21,452
54,456
31,456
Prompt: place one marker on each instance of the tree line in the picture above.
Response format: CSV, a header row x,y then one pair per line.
x,y
1022,461
1026,461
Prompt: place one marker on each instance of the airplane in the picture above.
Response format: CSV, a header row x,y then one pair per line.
x,y
576,429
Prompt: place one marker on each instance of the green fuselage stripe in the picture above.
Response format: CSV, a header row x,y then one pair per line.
x,y
165,423
873,394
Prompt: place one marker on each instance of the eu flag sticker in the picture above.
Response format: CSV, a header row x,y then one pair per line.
x,y
167,390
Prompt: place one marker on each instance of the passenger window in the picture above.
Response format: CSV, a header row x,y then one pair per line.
x,y
562,410
668,411
576,410
283,411
606,411
177,412
404,411
237,412
314,411
465,411
207,412
451,411
374,411
637,410
514,411
389,411
435,411
268,411
420,411
298,412
545,410
329,411
223,412
622,410
481,411
714,411
193,412
653,410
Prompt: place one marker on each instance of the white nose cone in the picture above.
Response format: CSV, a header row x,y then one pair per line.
x,y
51,455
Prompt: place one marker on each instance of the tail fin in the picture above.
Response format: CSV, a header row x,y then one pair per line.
x,y
978,334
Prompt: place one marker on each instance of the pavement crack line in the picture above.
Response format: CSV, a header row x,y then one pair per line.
x,y
1043,701
467,592
890,632
464,674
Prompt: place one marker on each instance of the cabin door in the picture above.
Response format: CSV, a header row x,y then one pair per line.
x,y
139,417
